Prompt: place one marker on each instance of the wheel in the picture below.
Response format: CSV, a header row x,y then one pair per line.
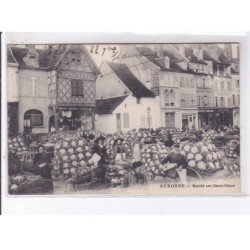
x,y
129,179
193,175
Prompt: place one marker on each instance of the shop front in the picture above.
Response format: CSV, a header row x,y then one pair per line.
x,y
223,117
72,118
206,119
236,117
188,119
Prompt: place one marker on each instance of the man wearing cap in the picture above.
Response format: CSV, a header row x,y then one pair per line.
x,y
179,159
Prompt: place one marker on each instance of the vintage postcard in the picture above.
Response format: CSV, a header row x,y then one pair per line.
x,y
123,119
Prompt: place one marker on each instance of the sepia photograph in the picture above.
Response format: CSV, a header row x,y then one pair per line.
x,y
123,119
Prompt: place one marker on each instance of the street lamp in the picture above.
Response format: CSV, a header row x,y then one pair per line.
x,y
149,112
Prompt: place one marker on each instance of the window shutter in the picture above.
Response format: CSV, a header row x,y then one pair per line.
x,y
35,86
126,120
31,87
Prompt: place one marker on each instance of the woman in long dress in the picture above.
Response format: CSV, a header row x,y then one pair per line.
x,y
119,150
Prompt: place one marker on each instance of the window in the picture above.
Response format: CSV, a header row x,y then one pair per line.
x,y
228,86
193,102
199,101
183,102
126,120
204,82
222,87
170,80
188,100
175,81
229,102
33,86
238,99
169,97
215,84
76,87
234,100
205,101
222,101
191,82
216,101
118,122
33,117
182,82
138,100
208,101
238,84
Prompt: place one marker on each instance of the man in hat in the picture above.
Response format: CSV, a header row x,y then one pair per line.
x,y
169,142
180,160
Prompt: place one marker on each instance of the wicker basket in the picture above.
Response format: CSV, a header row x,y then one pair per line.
x,y
42,186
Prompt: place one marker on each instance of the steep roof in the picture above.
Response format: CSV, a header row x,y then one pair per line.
x,y
208,57
19,53
150,55
154,58
224,59
47,58
108,105
10,57
173,60
193,58
137,88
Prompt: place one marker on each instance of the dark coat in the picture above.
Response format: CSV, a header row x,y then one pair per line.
x,y
179,159
169,143
45,171
14,164
102,152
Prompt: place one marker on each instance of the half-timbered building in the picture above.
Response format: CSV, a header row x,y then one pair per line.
x,y
72,91
55,87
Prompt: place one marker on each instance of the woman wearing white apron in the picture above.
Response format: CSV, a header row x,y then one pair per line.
x,y
136,161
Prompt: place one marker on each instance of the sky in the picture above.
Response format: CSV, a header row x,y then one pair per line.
x,y
107,52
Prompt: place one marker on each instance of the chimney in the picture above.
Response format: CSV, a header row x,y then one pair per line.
x,y
159,50
198,53
182,49
167,62
31,58
164,61
148,85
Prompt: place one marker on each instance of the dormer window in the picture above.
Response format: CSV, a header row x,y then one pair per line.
x,y
167,62
31,58
76,60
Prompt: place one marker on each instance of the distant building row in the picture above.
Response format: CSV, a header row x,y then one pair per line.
x,y
193,86
180,86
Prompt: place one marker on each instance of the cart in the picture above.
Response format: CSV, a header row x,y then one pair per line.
x,y
127,175
168,174
87,180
